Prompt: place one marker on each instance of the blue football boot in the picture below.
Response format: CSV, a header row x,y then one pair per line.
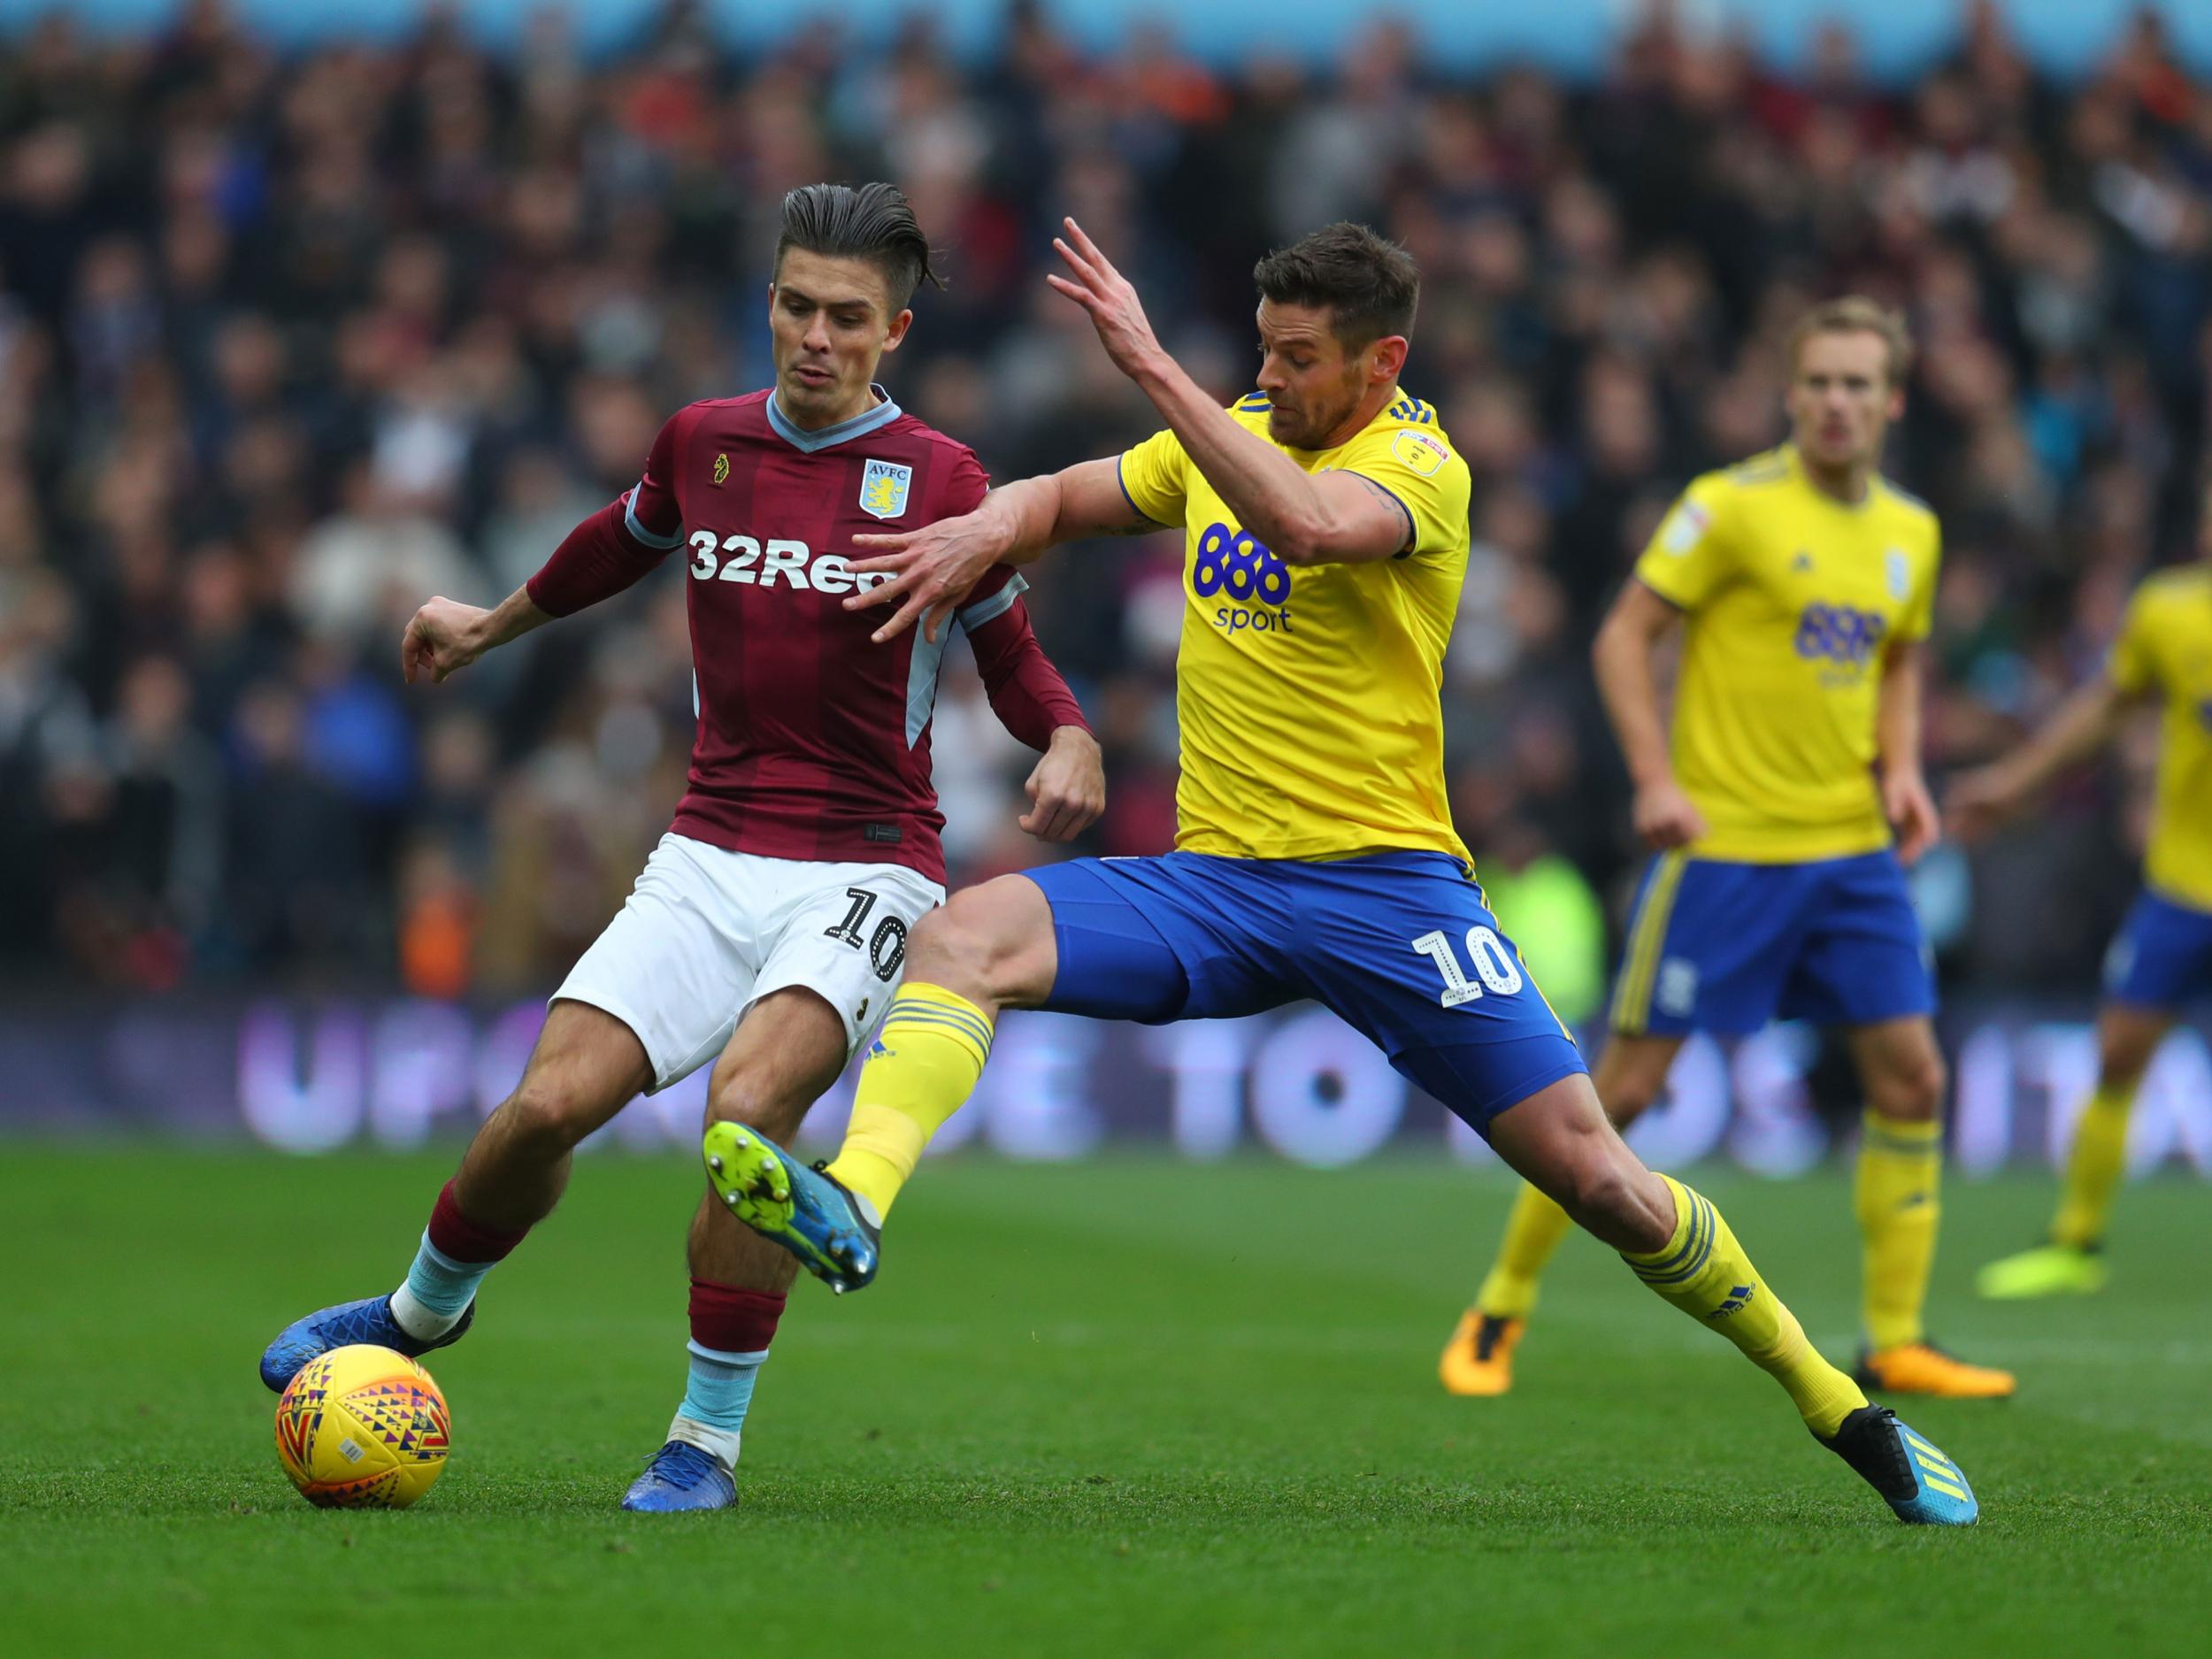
x,y
808,1212
1924,1486
679,1476
369,1321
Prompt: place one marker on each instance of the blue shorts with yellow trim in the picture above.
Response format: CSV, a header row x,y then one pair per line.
x,y
1724,947
2161,956
1402,946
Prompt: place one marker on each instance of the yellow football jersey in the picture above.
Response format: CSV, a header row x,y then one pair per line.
x,y
1791,598
2165,648
1307,695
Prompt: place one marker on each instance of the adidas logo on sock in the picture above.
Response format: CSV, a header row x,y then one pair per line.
x,y
1739,1299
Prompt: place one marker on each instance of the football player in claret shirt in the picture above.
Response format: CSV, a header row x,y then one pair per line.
x,y
1324,519
769,929
1782,814
2162,957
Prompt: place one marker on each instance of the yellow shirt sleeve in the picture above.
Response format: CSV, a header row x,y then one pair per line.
x,y
1690,558
2133,665
1416,467
1155,476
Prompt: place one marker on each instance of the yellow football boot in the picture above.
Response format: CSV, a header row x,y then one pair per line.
x,y
1922,1368
1478,1359
2048,1270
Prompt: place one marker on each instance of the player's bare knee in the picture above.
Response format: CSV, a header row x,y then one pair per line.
x,y
941,944
1614,1201
1629,1097
1910,1091
548,1121
970,947
742,1099
1631,1076
2124,1055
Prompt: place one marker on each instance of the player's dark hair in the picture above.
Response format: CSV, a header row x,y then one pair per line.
x,y
1370,285
874,222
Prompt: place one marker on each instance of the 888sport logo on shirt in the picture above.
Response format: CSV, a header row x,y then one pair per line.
x,y
1247,575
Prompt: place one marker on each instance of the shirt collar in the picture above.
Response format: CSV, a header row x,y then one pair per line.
x,y
867,421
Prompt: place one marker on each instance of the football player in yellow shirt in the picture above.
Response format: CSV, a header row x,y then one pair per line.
x,y
1325,535
2163,954
1802,582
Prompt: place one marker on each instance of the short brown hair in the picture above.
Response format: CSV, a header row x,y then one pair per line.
x,y
1855,314
875,223
1370,285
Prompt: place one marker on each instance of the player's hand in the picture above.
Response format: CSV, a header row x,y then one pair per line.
x,y
443,638
933,569
1912,815
1067,791
1666,818
1978,801
1116,313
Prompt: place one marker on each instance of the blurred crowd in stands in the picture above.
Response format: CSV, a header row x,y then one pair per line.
x,y
290,344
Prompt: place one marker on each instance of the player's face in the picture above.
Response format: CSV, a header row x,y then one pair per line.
x,y
831,322
1840,400
1312,383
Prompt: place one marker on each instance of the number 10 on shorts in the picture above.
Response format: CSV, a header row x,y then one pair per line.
x,y
1493,965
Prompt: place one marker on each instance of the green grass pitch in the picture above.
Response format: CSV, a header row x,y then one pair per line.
x,y
1124,1407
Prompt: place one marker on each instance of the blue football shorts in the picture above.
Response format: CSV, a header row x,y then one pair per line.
x,y
1402,946
1723,947
2161,956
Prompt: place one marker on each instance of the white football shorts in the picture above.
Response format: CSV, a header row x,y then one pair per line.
x,y
707,932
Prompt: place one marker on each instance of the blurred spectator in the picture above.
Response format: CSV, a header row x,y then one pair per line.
x,y
289,344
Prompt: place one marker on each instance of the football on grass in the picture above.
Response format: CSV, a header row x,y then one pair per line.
x,y
363,1428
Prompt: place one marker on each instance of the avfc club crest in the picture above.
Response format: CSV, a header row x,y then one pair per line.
x,y
883,488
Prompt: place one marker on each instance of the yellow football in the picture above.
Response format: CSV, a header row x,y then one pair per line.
x,y
363,1428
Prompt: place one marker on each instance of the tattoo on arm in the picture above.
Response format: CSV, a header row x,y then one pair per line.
x,y
1403,512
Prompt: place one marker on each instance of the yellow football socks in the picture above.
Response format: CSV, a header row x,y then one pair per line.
x,y
2093,1166
1704,1272
1898,1197
1532,1233
923,1067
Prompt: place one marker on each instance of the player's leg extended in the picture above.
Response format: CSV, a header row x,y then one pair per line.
x,y
2073,1261
1630,1074
992,947
1680,967
1679,1244
2162,959
786,1052
587,1065
1897,1196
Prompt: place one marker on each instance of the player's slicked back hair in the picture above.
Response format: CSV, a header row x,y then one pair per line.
x,y
874,222
1855,314
1370,285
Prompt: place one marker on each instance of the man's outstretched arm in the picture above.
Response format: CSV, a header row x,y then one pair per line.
x,y
597,560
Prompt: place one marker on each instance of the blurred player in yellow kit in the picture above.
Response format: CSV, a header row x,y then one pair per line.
x,y
2163,957
1782,815
1326,541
